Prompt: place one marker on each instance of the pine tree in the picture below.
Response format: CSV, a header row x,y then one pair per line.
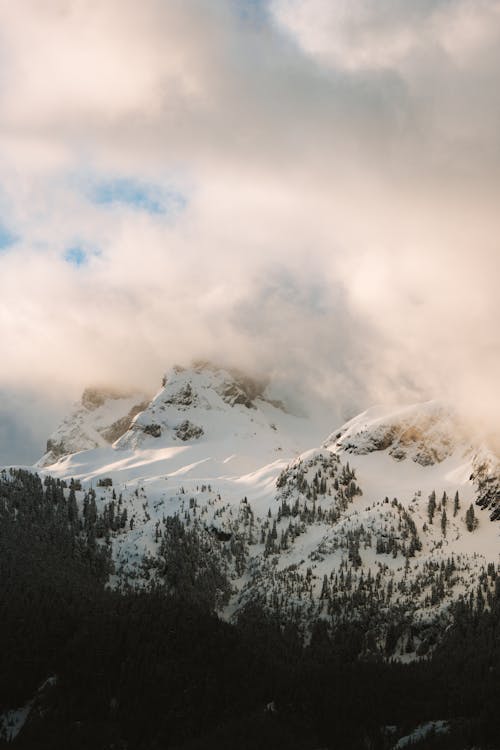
x,y
444,522
72,506
274,532
470,519
325,588
431,506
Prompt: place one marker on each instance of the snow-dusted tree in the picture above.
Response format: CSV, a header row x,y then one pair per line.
x,y
431,506
444,522
470,519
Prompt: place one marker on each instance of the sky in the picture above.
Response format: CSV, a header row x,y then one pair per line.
x,y
304,188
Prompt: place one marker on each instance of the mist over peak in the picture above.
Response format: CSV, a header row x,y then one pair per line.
x,y
304,191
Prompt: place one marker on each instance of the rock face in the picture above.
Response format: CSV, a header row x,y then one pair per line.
x,y
234,387
486,478
190,405
427,433
201,403
387,523
188,431
99,419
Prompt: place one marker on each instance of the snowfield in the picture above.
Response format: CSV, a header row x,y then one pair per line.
x,y
373,521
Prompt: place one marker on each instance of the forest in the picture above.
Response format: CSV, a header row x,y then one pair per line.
x,y
156,668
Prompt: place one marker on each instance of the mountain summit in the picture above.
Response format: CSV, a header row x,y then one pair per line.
x,y
204,402
389,522
97,420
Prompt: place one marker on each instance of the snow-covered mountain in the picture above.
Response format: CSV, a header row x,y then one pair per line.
x,y
388,522
98,419
202,416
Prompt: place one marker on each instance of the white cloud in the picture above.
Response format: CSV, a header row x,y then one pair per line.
x,y
356,34
341,220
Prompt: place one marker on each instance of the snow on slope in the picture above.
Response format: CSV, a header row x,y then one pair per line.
x,y
344,531
427,433
205,426
204,422
98,419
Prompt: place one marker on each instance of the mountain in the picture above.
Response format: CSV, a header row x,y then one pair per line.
x,y
205,569
388,522
98,419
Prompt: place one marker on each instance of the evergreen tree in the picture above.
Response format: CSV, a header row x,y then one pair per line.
x,y
431,506
444,522
470,519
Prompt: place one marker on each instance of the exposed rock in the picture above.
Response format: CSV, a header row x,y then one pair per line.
x,y
184,398
233,393
100,418
93,398
241,390
427,437
486,477
188,431
120,427
152,429
56,449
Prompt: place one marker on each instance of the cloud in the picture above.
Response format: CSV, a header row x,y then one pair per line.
x,y
389,33
143,197
302,187
26,419
6,238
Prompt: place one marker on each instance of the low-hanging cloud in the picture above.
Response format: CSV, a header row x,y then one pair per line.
x,y
307,190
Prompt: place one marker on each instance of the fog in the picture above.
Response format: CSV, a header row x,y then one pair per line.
x,y
299,188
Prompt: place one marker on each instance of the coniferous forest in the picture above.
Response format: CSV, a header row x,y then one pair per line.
x,y
156,668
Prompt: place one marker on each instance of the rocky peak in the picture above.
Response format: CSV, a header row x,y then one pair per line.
x,y
202,401
426,433
94,396
100,417
232,385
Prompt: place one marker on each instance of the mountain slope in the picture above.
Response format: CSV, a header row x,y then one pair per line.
x,y
381,524
97,420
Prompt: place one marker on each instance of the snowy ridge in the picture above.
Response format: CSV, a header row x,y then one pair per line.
x,y
98,419
486,478
204,421
194,404
427,433
388,523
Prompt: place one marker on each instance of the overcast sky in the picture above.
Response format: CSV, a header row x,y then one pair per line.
x,y
303,187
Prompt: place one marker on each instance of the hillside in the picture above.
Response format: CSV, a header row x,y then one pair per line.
x,y
220,558
386,521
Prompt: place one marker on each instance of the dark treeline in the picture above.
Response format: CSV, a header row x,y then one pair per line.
x,y
147,670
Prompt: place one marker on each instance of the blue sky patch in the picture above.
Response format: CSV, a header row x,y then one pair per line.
x,y
7,238
79,254
147,197
76,256
252,10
